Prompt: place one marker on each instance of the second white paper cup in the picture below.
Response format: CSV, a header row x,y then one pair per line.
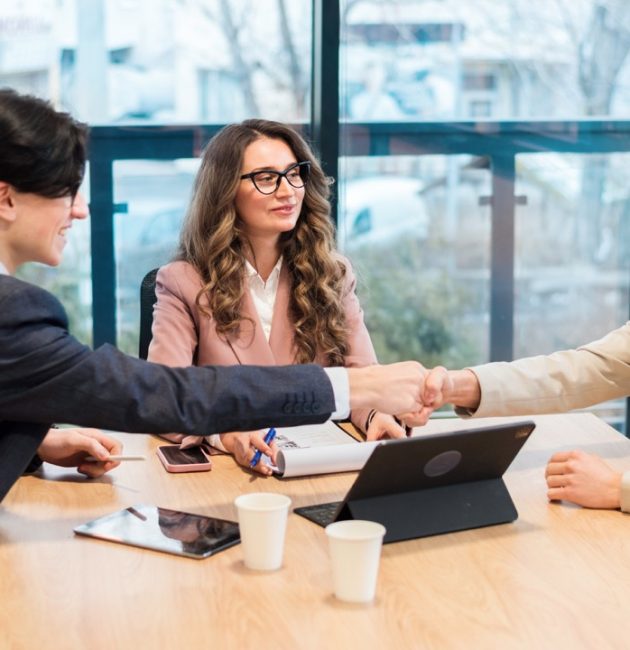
x,y
262,520
355,552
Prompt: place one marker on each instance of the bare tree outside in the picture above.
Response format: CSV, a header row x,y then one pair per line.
x,y
519,60
264,64
412,224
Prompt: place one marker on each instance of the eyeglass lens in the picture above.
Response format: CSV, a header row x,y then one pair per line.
x,y
268,182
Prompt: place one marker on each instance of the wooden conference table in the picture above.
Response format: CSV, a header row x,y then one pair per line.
x,y
559,577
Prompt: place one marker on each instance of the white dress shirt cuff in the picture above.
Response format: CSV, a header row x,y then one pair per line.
x,y
341,389
625,492
214,440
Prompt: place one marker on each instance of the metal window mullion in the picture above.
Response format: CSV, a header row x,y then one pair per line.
x,y
325,88
102,245
502,258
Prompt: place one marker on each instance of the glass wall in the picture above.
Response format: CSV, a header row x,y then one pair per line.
x,y
572,258
143,62
518,59
151,198
455,103
416,225
423,272
161,61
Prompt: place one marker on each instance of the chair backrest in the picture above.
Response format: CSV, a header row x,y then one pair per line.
x,y
147,300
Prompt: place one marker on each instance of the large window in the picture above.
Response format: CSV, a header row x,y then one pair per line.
x,y
428,232
146,62
517,59
423,269
482,151
161,61
151,198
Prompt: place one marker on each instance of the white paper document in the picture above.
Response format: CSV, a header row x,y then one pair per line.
x,y
319,449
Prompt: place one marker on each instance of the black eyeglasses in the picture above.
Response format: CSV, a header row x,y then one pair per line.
x,y
268,181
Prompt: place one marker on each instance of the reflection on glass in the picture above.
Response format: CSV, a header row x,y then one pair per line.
x,y
152,61
161,61
420,245
413,225
413,60
572,252
153,197
197,534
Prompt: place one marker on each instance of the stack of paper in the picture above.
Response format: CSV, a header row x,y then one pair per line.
x,y
319,449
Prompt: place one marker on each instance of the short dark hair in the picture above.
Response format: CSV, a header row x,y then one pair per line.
x,y
42,151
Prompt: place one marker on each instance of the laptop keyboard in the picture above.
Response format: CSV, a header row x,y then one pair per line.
x,y
321,513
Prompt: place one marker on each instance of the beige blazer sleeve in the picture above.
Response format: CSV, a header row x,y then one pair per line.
x,y
561,381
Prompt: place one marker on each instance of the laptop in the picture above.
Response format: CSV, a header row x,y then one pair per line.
x,y
428,485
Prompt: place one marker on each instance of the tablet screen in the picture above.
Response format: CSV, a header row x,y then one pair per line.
x,y
160,529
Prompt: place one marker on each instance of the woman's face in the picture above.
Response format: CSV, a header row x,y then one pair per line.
x,y
268,215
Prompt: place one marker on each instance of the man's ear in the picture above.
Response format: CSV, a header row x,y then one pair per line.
x,y
8,212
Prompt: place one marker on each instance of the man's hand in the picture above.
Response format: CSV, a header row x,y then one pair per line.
x,y
442,386
70,448
584,479
394,388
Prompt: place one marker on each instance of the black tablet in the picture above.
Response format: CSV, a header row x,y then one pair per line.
x,y
432,484
160,529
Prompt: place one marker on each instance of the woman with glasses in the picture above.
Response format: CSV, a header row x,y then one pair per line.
x,y
256,279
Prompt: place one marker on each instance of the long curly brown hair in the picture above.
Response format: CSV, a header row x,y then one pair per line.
x,y
213,241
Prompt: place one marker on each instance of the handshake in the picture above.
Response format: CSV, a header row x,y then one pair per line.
x,y
412,392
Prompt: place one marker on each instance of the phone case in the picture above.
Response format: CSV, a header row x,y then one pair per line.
x,y
183,467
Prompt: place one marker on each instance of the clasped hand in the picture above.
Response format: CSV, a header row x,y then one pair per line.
x,y
436,390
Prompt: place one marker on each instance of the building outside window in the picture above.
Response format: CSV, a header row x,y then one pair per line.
x,y
416,224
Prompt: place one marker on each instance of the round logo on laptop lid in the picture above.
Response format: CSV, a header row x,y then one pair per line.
x,y
443,463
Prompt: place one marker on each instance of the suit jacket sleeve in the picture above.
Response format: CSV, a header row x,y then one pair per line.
x,y
47,376
559,382
18,445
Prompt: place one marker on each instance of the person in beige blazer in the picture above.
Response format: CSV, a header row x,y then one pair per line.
x,y
256,279
558,382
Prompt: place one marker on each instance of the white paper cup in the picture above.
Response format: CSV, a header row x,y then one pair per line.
x,y
355,552
262,519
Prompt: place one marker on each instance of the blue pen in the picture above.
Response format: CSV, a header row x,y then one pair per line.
x,y
271,434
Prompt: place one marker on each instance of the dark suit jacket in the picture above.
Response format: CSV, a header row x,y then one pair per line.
x,y
47,376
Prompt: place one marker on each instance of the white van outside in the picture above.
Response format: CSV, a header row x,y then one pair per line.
x,y
379,209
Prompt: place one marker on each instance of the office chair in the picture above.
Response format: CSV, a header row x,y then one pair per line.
x,y
147,300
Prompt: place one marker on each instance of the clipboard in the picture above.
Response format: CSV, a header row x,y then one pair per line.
x,y
433,484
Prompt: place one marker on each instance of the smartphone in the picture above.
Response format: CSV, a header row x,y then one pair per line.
x,y
175,459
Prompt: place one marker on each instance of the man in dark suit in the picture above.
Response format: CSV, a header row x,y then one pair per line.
x,y
47,376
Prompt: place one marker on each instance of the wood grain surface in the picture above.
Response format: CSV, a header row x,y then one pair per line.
x,y
558,577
